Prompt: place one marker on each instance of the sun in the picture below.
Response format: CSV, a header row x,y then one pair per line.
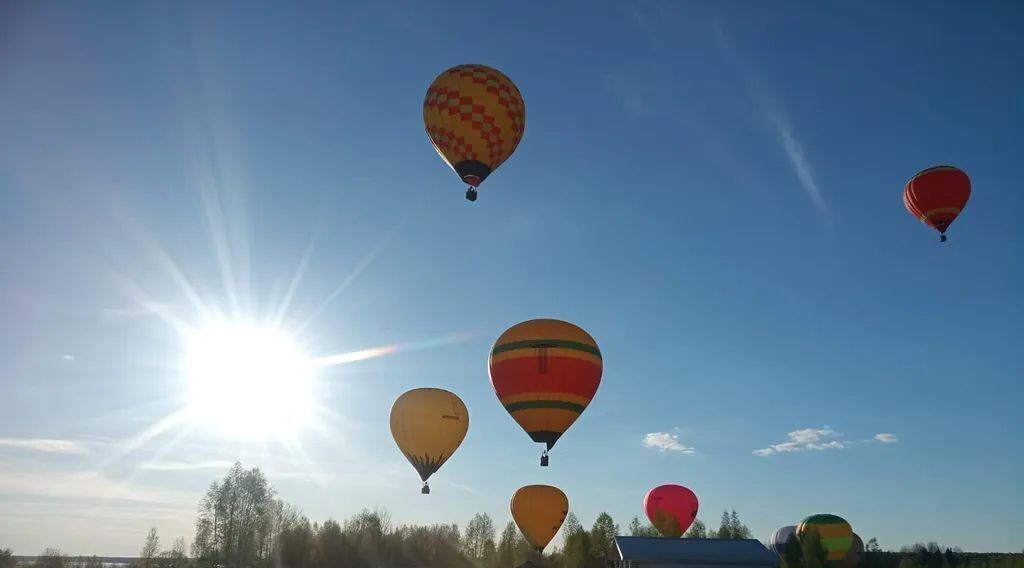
x,y
248,381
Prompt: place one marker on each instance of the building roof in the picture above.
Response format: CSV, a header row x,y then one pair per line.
x,y
740,552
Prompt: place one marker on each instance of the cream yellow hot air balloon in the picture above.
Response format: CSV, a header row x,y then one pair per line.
x,y
428,425
539,511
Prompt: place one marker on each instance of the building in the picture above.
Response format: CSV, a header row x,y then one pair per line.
x,y
644,552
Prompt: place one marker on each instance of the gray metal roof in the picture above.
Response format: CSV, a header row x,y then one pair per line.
x,y
743,552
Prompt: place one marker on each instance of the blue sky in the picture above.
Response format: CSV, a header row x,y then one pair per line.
x,y
712,190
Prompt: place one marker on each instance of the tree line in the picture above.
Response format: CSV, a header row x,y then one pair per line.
x,y
809,553
242,523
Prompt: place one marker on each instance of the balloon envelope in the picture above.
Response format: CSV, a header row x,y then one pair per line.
x,y
855,553
780,537
539,511
545,372
428,424
475,117
671,509
937,195
836,535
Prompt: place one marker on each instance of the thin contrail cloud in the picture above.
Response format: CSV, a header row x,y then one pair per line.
x,y
773,112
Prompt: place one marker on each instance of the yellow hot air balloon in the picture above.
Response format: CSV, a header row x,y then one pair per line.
x,y
428,425
475,117
539,511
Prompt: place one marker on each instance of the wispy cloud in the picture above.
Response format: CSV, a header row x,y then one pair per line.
x,y
886,438
140,310
773,113
68,357
804,440
797,157
186,466
45,445
666,442
57,485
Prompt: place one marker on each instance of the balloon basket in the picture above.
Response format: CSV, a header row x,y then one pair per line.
x,y
425,490
544,459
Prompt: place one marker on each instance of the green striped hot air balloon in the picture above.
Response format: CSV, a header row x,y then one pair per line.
x,y
836,535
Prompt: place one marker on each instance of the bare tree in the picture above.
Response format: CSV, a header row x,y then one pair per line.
x,y
150,550
478,543
233,519
51,558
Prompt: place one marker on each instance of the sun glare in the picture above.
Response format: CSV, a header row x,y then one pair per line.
x,y
249,381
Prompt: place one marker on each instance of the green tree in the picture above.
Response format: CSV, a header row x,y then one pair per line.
x,y
872,545
332,549
571,525
6,558
639,528
602,535
739,530
507,546
576,550
151,549
296,544
732,527
724,526
697,530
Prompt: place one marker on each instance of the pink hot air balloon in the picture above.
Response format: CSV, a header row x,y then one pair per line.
x,y
671,509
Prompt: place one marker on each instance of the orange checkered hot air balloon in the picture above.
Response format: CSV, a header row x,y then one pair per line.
x,y
475,118
937,195
545,373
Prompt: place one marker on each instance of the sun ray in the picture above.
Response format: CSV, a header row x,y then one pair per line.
x,y
389,235
374,352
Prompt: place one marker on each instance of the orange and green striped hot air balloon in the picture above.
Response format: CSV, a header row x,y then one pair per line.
x,y
836,535
545,373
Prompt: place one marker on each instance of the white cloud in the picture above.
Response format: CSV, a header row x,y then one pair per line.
x,y
666,442
886,438
804,440
45,445
68,357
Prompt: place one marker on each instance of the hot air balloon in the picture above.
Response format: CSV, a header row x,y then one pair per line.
x,y
836,535
853,555
539,511
475,117
545,372
937,195
671,509
780,537
428,425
